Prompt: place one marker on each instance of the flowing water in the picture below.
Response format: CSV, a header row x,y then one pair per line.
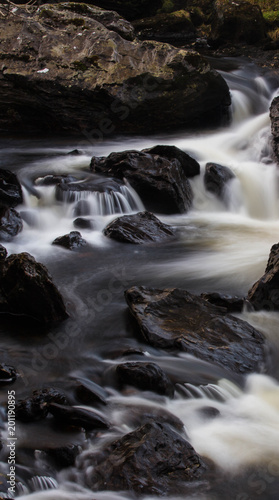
x,y
223,247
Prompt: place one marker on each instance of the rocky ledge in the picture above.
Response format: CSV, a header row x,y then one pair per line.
x,y
64,70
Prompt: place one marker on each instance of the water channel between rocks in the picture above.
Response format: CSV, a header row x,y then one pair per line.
x,y
222,247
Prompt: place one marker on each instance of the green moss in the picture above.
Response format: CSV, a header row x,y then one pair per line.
x,y
271,15
78,8
167,6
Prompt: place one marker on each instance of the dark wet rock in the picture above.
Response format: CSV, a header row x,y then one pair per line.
x,y
174,27
160,182
141,415
82,223
177,319
3,253
153,459
216,178
189,165
237,21
104,83
145,376
78,417
63,457
26,288
264,294
36,407
10,189
8,374
89,392
81,208
10,223
274,116
75,152
209,412
231,303
71,241
53,180
138,229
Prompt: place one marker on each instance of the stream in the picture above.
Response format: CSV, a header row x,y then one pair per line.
x,y
223,246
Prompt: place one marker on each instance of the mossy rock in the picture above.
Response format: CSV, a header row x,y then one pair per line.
x,y
175,28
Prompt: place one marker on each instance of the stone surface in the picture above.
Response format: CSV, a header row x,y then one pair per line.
x,y
138,229
35,407
153,459
10,223
27,289
3,252
264,294
231,303
274,116
71,241
65,72
177,319
216,178
79,417
145,376
8,374
10,189
159,181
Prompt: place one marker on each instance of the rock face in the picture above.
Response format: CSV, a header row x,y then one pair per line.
x,y
103,83
237,21
174,318
274,116
146,376
10,189
27,289
153,459
160,181
264,294
175,28
138,229
216,178
189,165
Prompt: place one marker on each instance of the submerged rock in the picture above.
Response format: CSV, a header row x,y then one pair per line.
x,y
159,180
27,289
89,392
8,374
10,189
63,457
10,223
71,241
78,416
104,84
82,223
145,376
138,229
274,116
153,459
177,319
264,294
216,178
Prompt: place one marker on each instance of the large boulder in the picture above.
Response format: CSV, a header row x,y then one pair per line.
x,y
175,318
88,79
237,22
189,165
264,294
153,459
160,181
174,27
274,116
10,189
138,229
27,289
